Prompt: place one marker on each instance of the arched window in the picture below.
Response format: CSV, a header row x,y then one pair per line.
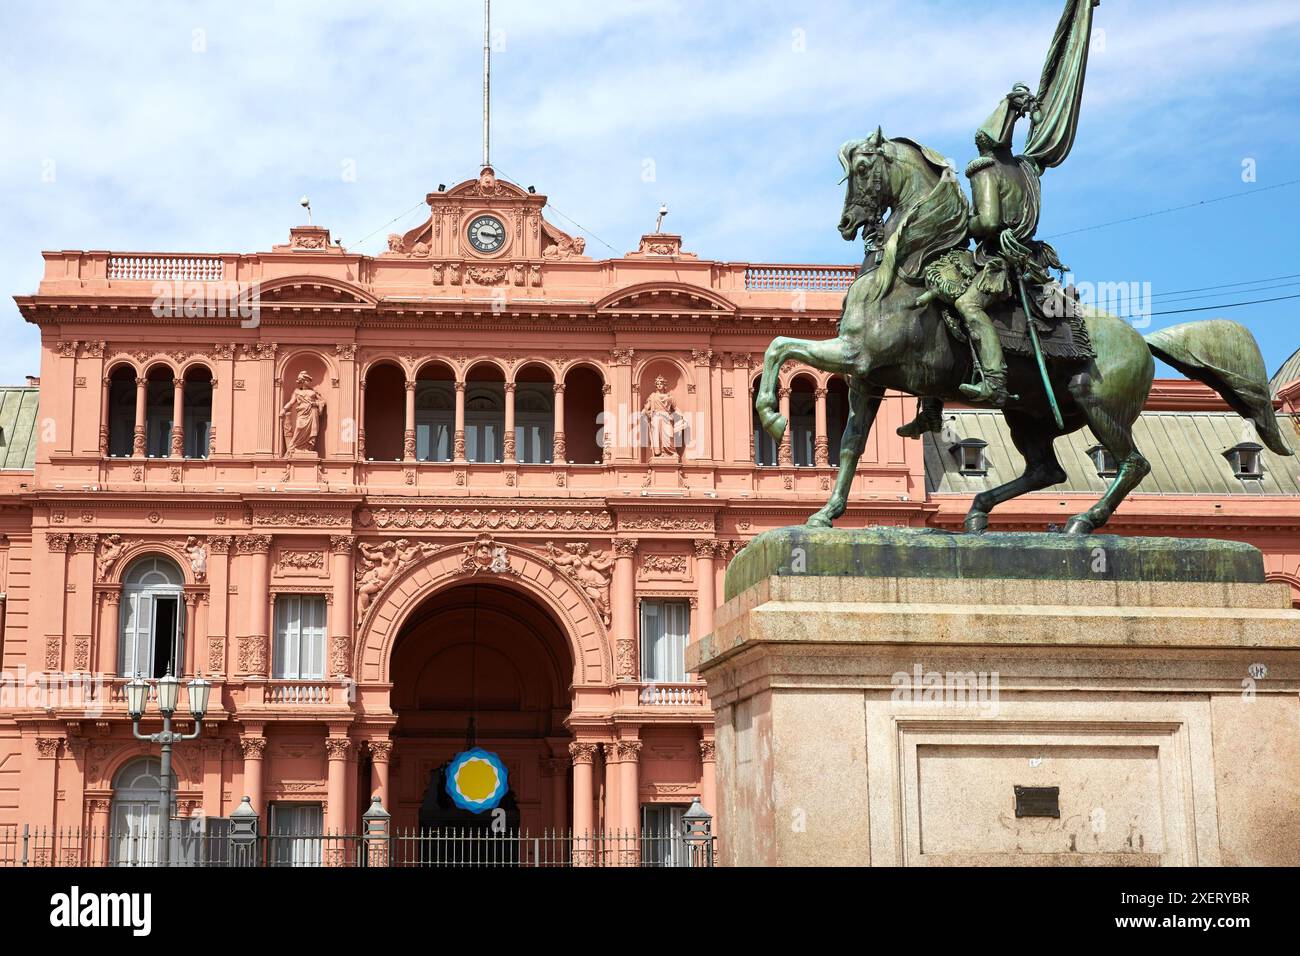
x,y
136,828
584,404
158,410
435,413
152,621
485,413
803,420
198,411
121,412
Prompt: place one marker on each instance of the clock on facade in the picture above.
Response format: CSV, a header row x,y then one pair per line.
x,y
487,233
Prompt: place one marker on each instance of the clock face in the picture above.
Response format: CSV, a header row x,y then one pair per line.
x,y
487,233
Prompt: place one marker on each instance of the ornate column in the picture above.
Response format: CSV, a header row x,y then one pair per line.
x,y
509,452
785,453
708,777
557,769
104,397
253,749
742,408
361,421
381,752
459,435
212,750
703,385
253,651
622,406
613,821
608,423
100,817
583,752
629,785
137,440
341,613
408,435
337,749
705,585
624,609
821,440
106,639
559,450
191,659
218,625
178,418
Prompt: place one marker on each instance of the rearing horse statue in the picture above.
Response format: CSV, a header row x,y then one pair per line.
x,y
889,340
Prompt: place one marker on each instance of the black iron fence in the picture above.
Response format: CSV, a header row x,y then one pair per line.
x,y
214,843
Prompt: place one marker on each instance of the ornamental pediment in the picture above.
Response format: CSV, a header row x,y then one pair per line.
x,y
312,290
659,297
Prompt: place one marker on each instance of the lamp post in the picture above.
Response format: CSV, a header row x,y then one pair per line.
x,y
169,689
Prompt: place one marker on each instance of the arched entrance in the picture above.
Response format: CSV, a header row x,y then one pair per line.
x,y
486,661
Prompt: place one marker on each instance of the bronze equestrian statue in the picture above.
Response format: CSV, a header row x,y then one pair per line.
x,y
929,316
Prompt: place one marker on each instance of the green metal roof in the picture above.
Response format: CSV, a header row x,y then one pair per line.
x,y
1185,450
1288,373
18,427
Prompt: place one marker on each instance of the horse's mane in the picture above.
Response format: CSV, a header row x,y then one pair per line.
x,y
926,229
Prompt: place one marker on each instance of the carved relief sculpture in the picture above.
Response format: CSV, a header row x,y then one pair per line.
x,y
379,564
198,553
591,570
110,549
485,555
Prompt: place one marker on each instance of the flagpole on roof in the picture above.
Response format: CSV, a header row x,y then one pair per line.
x,y
487,81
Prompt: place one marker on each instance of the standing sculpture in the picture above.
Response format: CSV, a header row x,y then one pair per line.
x,y
302,415
661,421
933,318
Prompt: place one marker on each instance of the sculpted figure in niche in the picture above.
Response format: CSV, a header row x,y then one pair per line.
x,y
591,569
662,421
301,418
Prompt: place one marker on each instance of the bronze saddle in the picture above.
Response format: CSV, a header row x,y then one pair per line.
x,y
1057,313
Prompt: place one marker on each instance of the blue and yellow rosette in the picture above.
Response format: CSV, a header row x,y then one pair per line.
x,y
476,780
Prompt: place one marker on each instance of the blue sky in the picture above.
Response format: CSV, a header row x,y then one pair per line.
x,y
196,127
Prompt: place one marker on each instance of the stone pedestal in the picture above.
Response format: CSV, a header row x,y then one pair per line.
x,y
888,715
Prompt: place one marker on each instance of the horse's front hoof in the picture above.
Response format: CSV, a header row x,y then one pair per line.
x,y
1079,525
977,522
819,520
775,426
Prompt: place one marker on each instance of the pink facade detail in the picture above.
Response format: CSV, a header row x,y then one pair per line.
x,y
480,485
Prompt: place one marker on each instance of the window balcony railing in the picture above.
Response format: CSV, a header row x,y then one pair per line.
x,y
684,694
298,693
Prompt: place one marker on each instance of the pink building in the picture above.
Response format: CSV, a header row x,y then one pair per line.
x,y
479,486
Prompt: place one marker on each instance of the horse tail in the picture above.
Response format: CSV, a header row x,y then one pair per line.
x,y
1225,356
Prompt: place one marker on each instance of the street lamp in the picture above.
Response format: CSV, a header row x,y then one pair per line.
x,y
169,689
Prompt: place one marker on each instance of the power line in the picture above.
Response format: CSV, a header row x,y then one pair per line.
x,y
389,223
551,206
1211,308
1229,285
1162,212
1169,297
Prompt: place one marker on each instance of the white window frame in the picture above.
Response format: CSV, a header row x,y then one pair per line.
x,y
663,651
138,617
301,624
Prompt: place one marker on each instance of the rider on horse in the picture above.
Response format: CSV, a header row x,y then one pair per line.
x,y
1007,202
